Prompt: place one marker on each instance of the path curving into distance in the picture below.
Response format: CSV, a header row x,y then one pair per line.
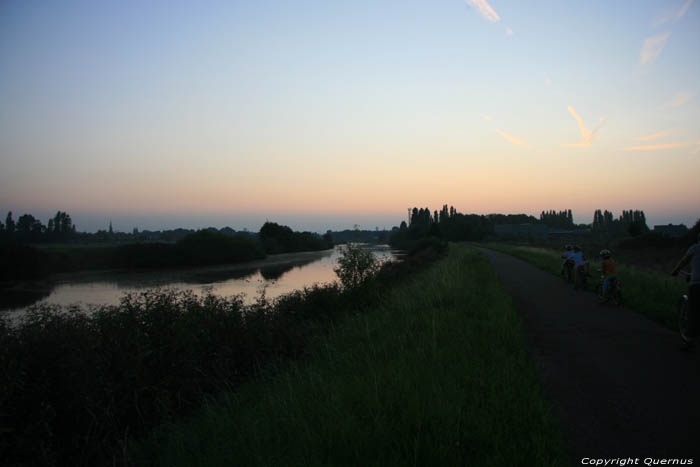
x,y
619,383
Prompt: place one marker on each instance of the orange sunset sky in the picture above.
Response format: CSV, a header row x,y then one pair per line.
x,y
330,114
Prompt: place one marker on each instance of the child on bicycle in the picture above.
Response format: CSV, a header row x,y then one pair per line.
x,y
580,260
609,270
692,257
568,258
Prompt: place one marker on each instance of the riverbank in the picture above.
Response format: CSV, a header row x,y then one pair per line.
x,y
75,382
105,287
437,373
22,262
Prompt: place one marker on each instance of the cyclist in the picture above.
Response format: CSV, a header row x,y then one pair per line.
x,y
609,271
580,263
692,256
568,258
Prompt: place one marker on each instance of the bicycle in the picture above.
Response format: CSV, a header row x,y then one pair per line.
x,y
614,293
683,306
568,271
581,278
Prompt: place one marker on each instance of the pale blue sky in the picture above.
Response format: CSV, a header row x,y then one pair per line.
x,y
162,114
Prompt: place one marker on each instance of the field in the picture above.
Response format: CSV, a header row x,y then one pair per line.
x,y
436,374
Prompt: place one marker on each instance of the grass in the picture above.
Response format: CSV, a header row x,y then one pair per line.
x,y
437,374
75,382
651,293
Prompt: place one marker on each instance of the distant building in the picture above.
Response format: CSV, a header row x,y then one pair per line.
x,y
521,230
670,230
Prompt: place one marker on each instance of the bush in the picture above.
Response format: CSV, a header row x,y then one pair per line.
x,y
76,383
355,266
73,382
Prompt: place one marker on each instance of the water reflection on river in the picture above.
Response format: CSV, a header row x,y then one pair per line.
x,y
277,275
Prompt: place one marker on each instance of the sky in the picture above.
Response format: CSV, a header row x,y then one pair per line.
x,y
325,115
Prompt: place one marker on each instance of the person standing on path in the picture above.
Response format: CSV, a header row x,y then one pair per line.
x,y
692,256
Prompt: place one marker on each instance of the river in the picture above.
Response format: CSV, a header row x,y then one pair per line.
x,y
276,275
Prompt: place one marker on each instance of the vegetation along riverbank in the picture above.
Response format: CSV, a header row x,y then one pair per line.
x,y
75,384
20,261
436,373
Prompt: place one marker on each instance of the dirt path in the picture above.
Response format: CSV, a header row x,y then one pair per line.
x,y
619,383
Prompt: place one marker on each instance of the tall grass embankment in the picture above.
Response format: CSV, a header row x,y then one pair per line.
x,y
76,383
435,374
649,292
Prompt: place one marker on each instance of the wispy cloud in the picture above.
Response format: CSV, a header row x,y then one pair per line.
x,y
509,31
660,134
654,147
652,47
484,9
672,14
511,138
679,99
486,117
586,134
683,10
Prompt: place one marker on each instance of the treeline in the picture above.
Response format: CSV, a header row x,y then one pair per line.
x,y
282,239
448,224
360,236
203,247
61,229
653,239
26,262
562,219
29,229
631,222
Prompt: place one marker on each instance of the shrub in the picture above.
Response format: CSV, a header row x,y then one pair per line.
x,y
355,266
73,382
76,383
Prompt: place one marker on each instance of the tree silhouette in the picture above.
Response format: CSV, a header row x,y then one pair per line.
x,y
9,223
29,229
562,219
